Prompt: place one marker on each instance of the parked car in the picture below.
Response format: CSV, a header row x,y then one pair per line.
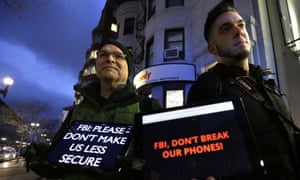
x,y
7,153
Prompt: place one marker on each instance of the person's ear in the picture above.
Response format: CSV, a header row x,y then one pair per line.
x,y
212,49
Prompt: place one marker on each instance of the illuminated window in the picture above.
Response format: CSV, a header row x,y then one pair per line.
x,y
85,72
174,96
92,70
114,27
93,54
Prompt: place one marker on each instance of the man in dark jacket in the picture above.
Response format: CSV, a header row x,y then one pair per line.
x,y
111,100
233,76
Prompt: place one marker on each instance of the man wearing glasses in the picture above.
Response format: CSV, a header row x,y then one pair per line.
x,y
112,99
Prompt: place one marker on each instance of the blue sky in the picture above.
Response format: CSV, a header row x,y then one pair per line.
x,y
42,47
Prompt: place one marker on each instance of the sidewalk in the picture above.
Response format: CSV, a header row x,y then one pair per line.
x,y
15,170
17,173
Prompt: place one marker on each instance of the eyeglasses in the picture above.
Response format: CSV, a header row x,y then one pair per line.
x,y
115,55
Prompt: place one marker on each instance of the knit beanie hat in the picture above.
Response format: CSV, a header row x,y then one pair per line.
x,y
129,56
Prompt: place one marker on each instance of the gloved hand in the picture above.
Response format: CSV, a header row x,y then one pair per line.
x,y
130,169
131,162
45,169
34,152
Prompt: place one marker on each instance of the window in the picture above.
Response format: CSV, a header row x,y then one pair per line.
x,y
174,44
290,21
129,26
174,96
114,27
171,3
149,52
151,8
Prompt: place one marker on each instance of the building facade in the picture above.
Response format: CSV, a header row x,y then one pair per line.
x,y
166,38
10,124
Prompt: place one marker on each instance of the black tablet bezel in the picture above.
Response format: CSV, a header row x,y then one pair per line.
x,y
258,170
62,167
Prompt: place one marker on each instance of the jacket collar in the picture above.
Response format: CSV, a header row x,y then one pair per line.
x,y
227,71
124,93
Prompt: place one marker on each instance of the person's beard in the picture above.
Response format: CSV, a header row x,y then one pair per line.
x,y
234,56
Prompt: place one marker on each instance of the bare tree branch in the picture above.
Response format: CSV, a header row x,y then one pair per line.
x,y
21,7
32,111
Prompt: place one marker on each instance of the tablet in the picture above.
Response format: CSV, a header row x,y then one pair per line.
x,y
91,145
192,143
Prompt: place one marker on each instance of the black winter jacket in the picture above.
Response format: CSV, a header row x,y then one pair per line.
x,y
120,107
267,113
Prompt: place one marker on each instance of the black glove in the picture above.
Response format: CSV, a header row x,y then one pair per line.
x,y
34,152
132,162
45,169
130,169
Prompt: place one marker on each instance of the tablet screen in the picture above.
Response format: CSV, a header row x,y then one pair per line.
x,y
212,139
91,144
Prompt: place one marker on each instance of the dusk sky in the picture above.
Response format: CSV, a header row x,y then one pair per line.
x,y
42,47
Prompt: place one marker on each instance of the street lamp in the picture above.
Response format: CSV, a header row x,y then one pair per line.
x,y
7,81
35,129
34,124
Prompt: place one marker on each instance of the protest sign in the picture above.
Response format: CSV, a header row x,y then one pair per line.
x,y
91,144
196,142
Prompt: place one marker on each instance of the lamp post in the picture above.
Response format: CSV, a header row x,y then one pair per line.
x,y
35,127
7,81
